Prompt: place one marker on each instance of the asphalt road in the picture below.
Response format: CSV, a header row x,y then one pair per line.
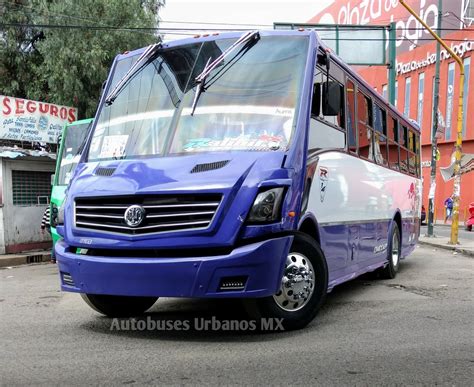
x,y
416,329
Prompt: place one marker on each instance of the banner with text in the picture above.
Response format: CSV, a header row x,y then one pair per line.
x,y
26,120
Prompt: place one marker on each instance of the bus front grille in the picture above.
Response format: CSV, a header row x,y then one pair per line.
x,y
156,213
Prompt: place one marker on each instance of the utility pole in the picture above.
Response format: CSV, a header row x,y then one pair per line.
x,y
457,165
434,141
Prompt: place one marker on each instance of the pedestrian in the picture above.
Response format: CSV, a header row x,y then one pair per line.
x,y
46,226
448,204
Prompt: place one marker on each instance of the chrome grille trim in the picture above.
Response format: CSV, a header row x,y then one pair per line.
x,y
215,204
102,207
102,216
163,213
185,214
144,227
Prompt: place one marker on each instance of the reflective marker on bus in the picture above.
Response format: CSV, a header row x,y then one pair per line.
x,y
245,165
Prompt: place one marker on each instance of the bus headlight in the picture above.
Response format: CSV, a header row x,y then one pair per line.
x,y
267,206
60,216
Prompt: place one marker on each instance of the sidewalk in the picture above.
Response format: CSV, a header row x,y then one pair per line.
x,y
465,246
24,258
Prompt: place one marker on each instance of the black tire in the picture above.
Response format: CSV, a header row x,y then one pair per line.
x,y
393,253
268,307
119,306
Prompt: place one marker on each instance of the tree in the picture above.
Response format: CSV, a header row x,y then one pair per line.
x,y
17,54
69,65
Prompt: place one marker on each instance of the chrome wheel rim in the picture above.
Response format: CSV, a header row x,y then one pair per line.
x,y
395,249
297,284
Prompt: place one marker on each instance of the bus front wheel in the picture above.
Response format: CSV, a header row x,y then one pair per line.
x,y
302,290
119,306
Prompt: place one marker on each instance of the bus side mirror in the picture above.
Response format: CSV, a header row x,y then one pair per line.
x,y
52,179
331,98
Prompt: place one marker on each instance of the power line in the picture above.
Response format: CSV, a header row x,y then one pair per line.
x,y
56,15
105,27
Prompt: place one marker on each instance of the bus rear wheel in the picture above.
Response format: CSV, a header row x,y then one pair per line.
x,y
119,306
393,253
302,290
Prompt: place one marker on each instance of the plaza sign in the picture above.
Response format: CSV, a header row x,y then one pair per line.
x,y
26,120
409,31
460,49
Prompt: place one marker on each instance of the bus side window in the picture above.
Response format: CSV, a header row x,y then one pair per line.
x,y
393,161
392,129
325,131
380,135
380,149
320,86
351,116
417,155
411,141
403,159
403,136
364,125
412,153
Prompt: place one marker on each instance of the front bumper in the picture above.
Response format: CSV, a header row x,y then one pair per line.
x,y
261,263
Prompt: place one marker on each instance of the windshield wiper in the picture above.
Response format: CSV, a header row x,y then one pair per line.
x,y
201,78
143,60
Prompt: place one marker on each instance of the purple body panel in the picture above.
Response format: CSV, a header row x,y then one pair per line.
x,y
261,262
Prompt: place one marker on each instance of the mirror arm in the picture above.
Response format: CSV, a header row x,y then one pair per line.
x,y
326,97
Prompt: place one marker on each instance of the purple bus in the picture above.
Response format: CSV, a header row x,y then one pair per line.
x,y
250,165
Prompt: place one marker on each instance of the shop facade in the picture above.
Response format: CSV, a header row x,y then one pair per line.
x,y
28,134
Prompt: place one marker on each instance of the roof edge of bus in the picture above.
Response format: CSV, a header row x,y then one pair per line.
x,y
208,36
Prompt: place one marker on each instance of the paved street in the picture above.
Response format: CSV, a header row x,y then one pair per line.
x,y
416,329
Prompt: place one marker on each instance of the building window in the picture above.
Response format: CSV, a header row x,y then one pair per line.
x,y
421,91
396,93
31,188
469,12
449,100
384,91
406,109
467,67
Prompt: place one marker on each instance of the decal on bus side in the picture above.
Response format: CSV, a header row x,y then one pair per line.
x,y
323,181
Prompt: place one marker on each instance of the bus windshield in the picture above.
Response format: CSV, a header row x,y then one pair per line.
x,y
247,102
74,136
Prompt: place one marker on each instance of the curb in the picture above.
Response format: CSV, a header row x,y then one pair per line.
x,y
459,250
24,259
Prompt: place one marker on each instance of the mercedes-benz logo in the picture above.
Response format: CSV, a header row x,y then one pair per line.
x,y
134,215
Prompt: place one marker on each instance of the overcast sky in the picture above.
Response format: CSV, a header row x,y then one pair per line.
x,y
251,13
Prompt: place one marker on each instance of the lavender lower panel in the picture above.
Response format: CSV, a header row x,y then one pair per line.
x,y
353,249
262,263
